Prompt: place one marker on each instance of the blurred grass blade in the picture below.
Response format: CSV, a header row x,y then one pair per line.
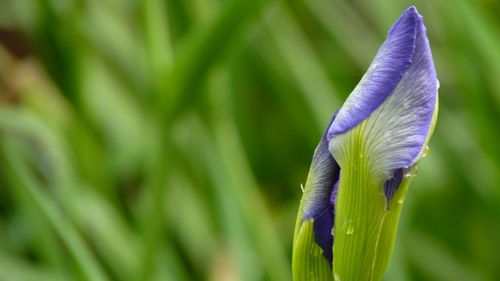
x,y
157,35
20,270
304,64
439,262
234,163
201,50
21,177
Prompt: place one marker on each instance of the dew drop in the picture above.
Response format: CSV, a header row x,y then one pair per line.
x,y
406,105
411,173
349,227
336,276
401,200
350,230
426,151
315,253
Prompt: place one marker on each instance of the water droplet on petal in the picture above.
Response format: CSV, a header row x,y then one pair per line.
x,y
406,104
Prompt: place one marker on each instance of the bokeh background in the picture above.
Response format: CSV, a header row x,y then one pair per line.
x,y
167,140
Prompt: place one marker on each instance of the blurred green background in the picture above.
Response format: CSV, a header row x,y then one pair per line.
x,y
167,140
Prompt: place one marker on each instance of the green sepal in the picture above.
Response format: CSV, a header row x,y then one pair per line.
x,y
359,212
390,221
308,263
365,225
388,229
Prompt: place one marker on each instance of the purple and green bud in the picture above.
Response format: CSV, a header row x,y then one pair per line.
x,y
362,167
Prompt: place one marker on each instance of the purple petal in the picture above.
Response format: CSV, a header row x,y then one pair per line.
x,y
392,184
322,178
320,195
396,131
335,190
323,225
383,75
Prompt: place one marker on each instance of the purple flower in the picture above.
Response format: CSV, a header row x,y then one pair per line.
x,y
399,90
377,136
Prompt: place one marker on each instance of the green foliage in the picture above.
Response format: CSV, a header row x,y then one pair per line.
x,y
166,140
